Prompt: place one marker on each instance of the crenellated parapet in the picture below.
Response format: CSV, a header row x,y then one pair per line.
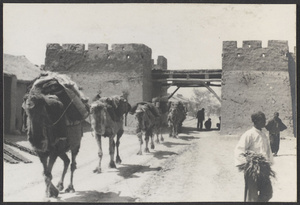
x,y
74,56
162,63
256,78
252,56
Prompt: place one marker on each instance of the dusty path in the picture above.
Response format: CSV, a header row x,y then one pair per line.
x,y
196,167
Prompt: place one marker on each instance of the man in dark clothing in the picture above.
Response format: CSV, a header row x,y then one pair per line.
x,y
200,117
207,124
275,126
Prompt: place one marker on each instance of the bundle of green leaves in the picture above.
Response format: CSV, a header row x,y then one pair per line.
x,y
256,167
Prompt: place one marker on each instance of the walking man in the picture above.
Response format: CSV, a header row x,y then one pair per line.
x,y
200,117
256,142
275,126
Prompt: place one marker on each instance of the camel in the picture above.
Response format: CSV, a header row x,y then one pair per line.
x,y
161,103
176,116
146,115
107,116
51,137
54,109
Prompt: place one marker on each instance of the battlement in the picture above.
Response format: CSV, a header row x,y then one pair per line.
x,y
252,56
101,47
162,63
278,44
75,56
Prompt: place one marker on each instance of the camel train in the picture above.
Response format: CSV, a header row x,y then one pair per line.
x,y
55,108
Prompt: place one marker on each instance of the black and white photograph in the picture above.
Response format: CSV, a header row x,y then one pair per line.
x,y
149,102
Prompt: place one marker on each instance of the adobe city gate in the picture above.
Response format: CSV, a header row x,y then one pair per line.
x,y
189,78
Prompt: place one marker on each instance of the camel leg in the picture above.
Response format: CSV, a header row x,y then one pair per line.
x,y
140,136
171,130
161,136
112,152
73,167
51,191
119,135
66,160
152,142
176,131
157,137
147,140
100,153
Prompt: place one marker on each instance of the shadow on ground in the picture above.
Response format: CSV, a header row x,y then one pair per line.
x,y
170,144
128,170
163,154
285,155
188,138
212,129
95,196
188,130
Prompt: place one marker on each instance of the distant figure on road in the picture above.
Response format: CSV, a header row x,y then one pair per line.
x,y
207,124
201,118
253,153
275,126
219,124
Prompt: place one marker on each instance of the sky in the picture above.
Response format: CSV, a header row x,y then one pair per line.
x,y
190,36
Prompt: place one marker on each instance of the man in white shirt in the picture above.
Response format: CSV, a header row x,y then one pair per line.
x,y
255,140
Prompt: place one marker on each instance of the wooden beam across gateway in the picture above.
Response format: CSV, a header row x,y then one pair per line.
x,y
188,78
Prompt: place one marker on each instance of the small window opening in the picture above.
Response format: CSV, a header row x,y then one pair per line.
x,y
263,55
249,46
127,56
238,55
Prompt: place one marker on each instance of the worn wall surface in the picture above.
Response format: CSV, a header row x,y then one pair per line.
x,y
10,103
255,79
21,90
158,89
123,67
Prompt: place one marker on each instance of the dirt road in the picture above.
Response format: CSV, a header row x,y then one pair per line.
x,y
196,167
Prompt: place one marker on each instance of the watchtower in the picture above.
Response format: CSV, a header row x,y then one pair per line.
x,y
256,79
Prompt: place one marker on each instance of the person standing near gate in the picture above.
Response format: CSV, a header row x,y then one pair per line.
x,y
201,118
275,126
253,153
207,124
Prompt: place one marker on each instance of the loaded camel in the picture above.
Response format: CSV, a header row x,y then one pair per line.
x,y
107,116
51,132
161,103
176,116
146,115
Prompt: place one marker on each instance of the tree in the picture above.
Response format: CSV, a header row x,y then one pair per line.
x,y
205,99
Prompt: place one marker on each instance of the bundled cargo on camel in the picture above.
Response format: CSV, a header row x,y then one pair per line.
x,y
67,91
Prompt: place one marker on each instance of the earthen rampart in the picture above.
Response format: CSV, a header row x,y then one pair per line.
x,y
255,79
124,67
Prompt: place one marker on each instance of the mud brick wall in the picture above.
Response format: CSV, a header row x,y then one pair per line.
x,y
123,67
255,79
158,90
